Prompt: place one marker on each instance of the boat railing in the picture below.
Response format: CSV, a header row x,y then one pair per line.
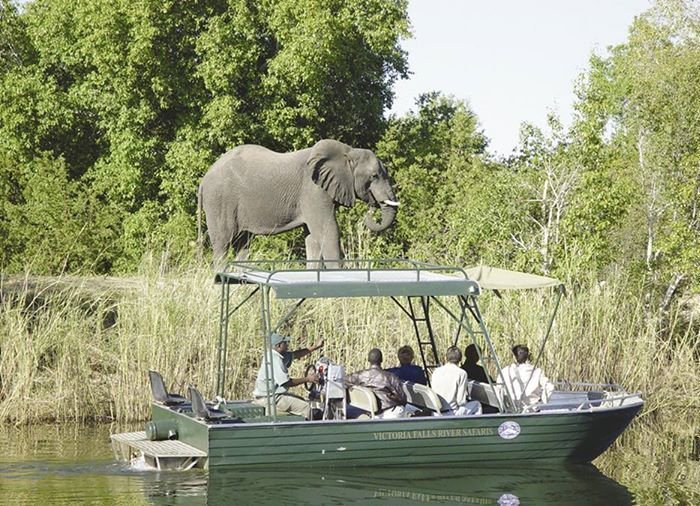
x,y
370,267
586,386
611,394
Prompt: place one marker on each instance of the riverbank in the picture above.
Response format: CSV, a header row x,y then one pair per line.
x,y
80,351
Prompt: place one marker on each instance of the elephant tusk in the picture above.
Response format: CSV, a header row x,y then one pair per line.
x,y
391,203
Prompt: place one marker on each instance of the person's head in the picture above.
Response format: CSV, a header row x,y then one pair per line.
x,y
521,353
471,354
279,342
405,355
453,355
375,356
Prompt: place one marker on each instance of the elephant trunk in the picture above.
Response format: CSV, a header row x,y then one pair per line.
x,y
388,215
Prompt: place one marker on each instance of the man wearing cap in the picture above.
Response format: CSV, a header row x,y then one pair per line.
x,y
280,382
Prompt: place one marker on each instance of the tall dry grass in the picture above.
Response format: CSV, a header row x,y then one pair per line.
x,y
79,354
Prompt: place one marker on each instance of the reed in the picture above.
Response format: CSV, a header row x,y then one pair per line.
x,y
68,356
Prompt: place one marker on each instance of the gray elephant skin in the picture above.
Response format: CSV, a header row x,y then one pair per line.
x,y
252,190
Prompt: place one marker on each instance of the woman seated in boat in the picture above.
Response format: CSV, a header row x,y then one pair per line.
x,y
526,384
471,364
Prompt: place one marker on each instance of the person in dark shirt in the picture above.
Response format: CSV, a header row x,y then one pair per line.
x,y
407,371
386,386
474,370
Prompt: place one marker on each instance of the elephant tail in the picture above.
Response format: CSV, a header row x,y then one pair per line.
x,y
200,236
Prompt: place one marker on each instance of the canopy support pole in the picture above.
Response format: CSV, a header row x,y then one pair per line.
x,y
540,352
289,315
474,310
267,355
224,315
222,346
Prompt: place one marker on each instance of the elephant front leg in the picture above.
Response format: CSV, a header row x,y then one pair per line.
x,y
329,241
313,252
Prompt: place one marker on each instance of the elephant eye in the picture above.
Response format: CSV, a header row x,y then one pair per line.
x,y
374,177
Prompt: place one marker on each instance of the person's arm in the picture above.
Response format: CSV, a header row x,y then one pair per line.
x,y
547,388
397,385
462,390
302,352
351,380
310,378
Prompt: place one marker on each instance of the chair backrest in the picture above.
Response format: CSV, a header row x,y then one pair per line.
x,y
160,394
487,394
363,398
424,397
198,407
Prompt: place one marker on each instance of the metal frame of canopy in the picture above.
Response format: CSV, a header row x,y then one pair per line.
x,y
420,283
497,280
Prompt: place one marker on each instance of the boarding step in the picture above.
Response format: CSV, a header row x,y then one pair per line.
x,y
168,454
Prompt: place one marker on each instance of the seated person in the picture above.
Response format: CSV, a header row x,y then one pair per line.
x,y
450,382
474,370
407,371
385,385
527,385
280,382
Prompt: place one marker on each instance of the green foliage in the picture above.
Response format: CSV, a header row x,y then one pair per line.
x,y
642,101
134,100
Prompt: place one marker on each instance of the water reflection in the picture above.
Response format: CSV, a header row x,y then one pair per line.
x,y
499,486
75,465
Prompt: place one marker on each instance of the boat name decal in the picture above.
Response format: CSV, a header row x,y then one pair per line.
x,y
425,497
509,430
433,433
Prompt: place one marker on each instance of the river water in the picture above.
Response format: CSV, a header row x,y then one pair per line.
x,y
74,465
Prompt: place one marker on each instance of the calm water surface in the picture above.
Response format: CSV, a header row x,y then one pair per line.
x,y
74,465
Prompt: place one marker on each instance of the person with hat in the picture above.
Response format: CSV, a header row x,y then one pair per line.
x,y
279,380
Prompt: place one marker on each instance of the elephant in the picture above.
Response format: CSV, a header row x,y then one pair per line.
x,y
251,190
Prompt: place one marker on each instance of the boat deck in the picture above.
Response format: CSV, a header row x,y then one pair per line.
x,y
159,454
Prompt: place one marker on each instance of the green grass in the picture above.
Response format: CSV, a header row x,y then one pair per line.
x,y
82,353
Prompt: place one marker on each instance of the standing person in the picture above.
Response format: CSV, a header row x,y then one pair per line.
x,y
280,382
385,385
526,384
407,371
450,382
471,366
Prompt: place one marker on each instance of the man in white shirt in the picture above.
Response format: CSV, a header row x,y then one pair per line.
x,y
280,382
450,382
527,385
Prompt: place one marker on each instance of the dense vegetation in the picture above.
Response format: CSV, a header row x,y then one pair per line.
x,y
112,110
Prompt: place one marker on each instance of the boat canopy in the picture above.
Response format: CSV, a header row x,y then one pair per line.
x,y
493,278
368,279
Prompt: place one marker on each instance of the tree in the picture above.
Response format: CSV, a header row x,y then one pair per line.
x,y
131,101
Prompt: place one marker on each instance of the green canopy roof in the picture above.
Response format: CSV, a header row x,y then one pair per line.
x,y
493,278
408,279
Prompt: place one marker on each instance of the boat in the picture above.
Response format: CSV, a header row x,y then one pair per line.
x,y
579,422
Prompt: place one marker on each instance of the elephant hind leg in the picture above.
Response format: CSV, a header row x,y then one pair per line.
x,y
241,245
220,249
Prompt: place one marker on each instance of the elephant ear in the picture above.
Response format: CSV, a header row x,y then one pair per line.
x,y
331,169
